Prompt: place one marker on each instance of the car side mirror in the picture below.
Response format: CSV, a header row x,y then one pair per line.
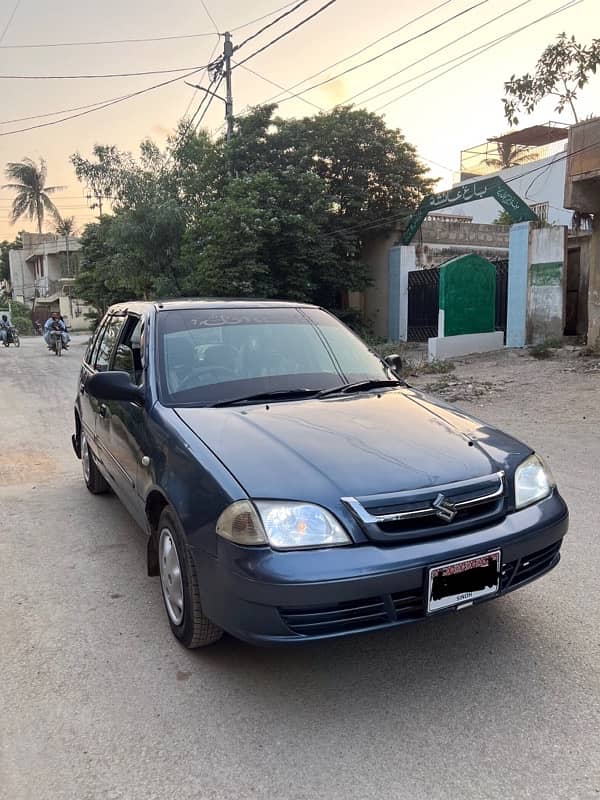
x,y
114,386
394,361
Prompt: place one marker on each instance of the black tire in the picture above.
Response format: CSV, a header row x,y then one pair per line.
x,y
16,341
195,629
94,480
58,346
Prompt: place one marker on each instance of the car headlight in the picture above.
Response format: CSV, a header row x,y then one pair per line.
x,y
283,525
533,482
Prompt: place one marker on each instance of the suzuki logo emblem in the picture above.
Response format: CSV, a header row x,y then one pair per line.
x,y
444,509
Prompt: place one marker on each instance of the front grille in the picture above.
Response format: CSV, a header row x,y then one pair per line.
x,y
353,615
409,606
416,514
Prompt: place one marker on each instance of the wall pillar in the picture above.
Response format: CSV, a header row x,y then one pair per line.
x,y
518,264
593,337
402,260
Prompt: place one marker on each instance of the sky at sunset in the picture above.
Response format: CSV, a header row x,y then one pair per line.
x,y
459,109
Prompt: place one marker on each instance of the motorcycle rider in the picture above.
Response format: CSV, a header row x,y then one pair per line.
x,y
55,323
5,327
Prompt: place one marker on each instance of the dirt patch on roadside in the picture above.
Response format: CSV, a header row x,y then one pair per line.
x,y
28,466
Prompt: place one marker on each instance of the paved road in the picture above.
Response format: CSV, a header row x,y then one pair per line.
x,y
99,701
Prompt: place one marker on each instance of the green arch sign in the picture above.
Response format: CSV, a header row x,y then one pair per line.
x,y
478,190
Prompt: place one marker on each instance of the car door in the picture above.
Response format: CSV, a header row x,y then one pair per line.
x,y
88,405
126,422
103,358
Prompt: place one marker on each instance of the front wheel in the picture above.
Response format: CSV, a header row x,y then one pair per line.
x,y
16,340
91,475
58,346
179,584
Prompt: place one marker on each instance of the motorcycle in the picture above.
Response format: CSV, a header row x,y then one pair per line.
x,y
12,337
55,342
37,329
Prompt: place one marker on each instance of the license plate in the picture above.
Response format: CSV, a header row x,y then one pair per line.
x,y
463,581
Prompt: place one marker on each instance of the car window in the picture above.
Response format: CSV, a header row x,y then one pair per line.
x,y
343,343
129,353
106,343
90,356
213,355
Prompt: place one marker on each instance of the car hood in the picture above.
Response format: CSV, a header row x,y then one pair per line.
x,y
356,445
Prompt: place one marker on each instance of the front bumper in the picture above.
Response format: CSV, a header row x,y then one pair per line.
x,y
268,597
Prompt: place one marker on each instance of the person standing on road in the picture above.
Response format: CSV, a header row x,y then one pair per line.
x,y
55,323
4,328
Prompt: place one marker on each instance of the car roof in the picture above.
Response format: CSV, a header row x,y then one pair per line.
x,y
180,304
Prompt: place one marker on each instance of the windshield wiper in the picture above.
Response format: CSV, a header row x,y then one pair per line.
x,y
280,394
358,387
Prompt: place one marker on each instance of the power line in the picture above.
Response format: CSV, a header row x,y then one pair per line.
x,y
210,99
173,37
485,48
290,30
429,55
210,58
362,49
106,41
279,86
104,75
270,25
105,105
210,16
62,110
264,16
10,19
395,47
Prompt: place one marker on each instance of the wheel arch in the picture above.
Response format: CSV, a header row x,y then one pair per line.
x,y
156,502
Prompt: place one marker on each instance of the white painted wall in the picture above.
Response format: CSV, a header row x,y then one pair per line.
x,y
544,185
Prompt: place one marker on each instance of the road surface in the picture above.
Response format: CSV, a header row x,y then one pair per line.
x,y
99,701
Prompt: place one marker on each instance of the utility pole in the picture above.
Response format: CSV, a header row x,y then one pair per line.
x,y
227,53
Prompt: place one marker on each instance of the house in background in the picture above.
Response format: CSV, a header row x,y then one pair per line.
x,y
42,274
531,161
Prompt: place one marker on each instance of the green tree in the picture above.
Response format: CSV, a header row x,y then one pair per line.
x,y
563,69
5,248
104,174
100,281
33,196
264,238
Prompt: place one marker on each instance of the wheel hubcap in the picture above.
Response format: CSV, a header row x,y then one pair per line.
x,y
170,576
85,458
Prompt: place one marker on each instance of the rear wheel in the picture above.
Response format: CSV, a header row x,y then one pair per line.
x,y
91,475
179,584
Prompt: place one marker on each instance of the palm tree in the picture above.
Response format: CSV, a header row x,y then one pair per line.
x,y
510,155
65,226
32,198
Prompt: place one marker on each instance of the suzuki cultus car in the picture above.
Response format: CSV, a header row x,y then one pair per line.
x,y
291,486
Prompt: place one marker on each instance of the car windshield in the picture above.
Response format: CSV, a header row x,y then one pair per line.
x,y
209,356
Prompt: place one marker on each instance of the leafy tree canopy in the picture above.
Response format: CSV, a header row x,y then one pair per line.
x,y
563,69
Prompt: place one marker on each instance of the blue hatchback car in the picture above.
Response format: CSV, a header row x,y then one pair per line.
x,y
291,485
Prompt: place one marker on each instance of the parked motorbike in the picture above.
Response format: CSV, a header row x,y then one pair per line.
x,y
12,337
55,342
37,329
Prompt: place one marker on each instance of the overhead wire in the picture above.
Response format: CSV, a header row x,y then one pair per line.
x,y
395,47
257,33
103,75
279,86
42,45
9,22
362,49
290,30
210,16
433,53
105,105
483,49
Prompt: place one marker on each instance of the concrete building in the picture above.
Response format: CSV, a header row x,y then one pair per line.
x,y
42,274
535,170
582,194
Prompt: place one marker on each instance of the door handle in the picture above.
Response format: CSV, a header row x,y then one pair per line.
x,y
102,410
81,388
